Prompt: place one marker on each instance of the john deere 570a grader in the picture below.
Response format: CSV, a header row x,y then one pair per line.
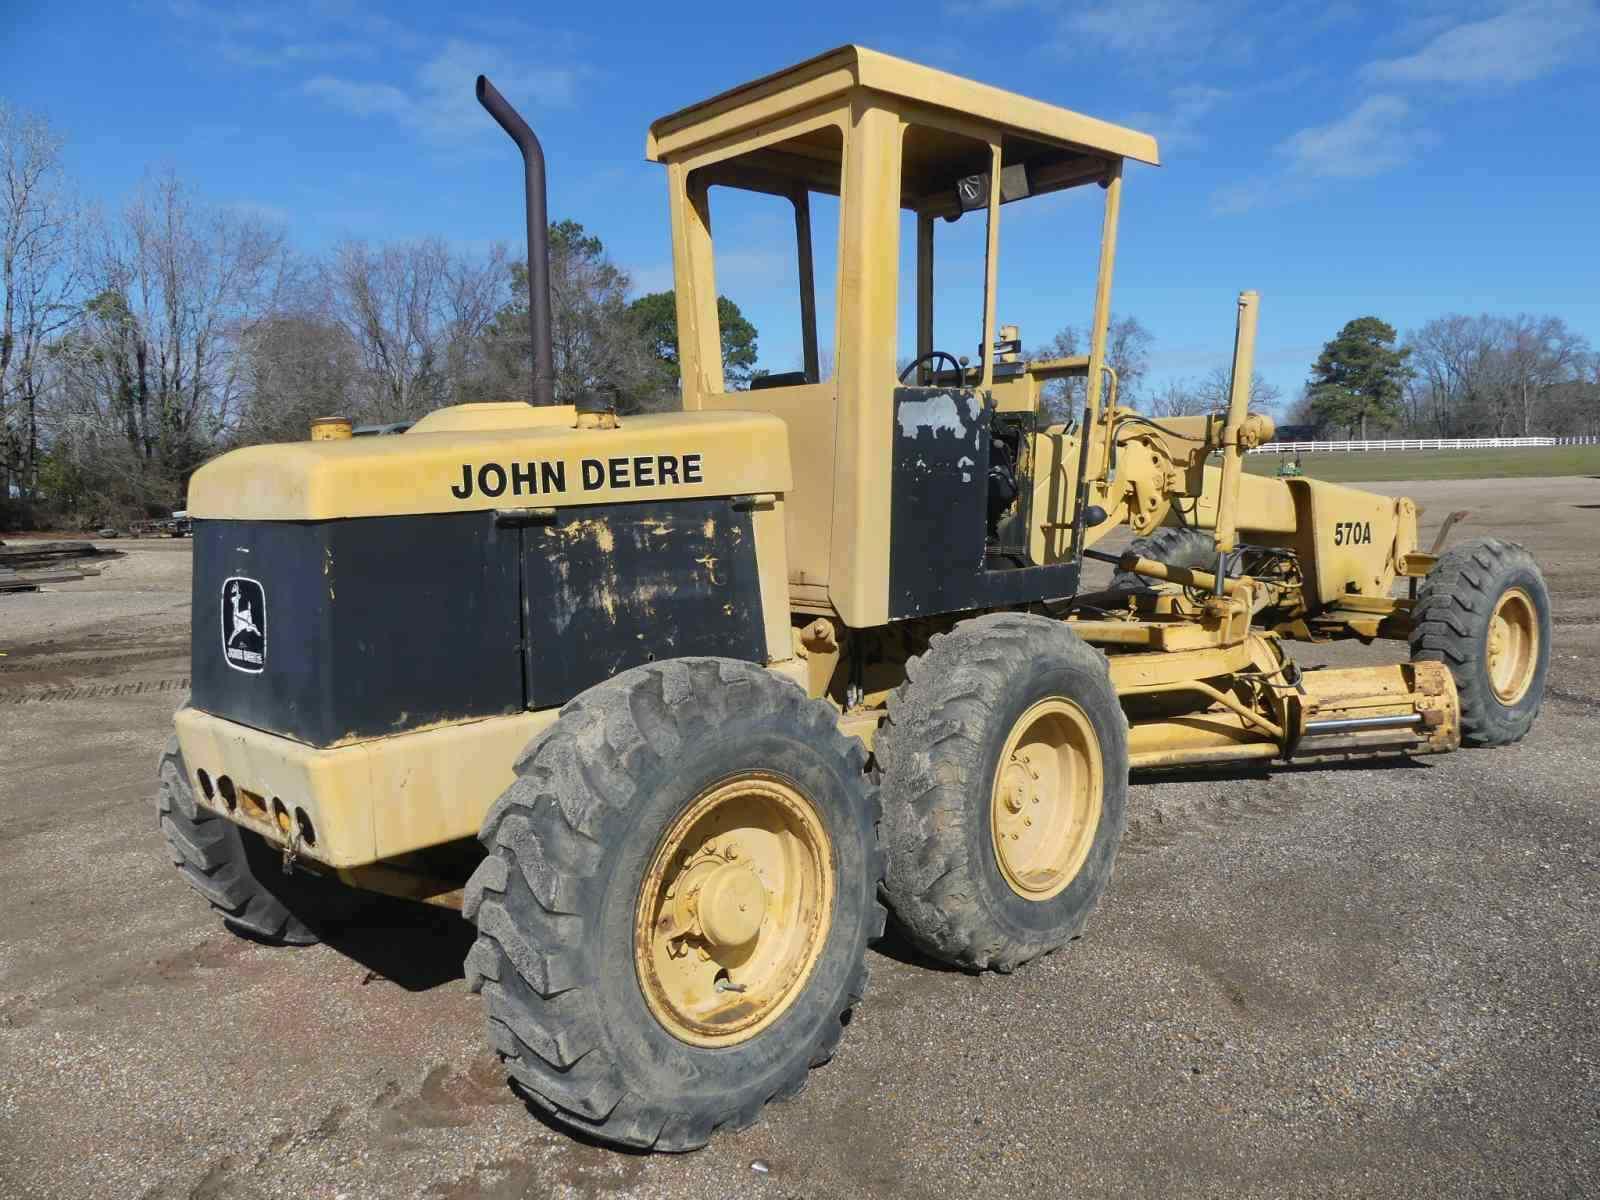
x,y
670,707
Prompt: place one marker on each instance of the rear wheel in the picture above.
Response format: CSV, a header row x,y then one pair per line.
x,y
235,870
680,889
1005,772
1484,612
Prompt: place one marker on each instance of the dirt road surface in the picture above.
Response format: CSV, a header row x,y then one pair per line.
x,y
1303,982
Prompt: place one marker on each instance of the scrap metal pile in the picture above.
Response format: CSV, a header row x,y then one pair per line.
x,y
25,566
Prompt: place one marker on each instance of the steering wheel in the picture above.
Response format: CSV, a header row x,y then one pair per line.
x,y
933,356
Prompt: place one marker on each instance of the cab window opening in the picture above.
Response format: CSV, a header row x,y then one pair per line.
x,y
1049,260
774,224
944,255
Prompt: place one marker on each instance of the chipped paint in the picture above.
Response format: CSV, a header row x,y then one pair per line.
x,y
593,527
936,414
593,611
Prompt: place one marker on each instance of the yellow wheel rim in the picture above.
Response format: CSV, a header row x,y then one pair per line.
x,y
1046,801
734,910
1513,650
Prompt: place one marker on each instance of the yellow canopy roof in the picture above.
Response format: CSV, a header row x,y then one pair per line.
x,y
848,67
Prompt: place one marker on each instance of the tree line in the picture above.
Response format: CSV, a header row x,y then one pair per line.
x,y
1456,376
137,342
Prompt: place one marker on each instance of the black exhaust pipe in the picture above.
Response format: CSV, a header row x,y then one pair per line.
x,y
544,371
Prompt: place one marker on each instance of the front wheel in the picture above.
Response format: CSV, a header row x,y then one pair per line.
x,y
1175,545
1484,612
680,890
1005,779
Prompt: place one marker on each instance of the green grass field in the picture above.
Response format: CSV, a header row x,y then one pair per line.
x,y
1438,464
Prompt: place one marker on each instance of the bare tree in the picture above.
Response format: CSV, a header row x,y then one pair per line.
x,y
155,357
1541,354
1454,360
1128,345
40,279
298,366
416,313
1179,398
1217,388
596,340
1190,397
1489,375
388,300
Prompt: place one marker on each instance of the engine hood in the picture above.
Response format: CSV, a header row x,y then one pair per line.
x,y
471,458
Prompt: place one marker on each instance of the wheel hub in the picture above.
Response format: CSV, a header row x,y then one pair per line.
x,y
733,911
1047,798
720,901
1511,652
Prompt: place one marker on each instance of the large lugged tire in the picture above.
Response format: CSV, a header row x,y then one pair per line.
x,y
660,801
239,878
1007,720
1175,545
1484,612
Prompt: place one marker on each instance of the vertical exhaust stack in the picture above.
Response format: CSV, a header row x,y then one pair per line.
x,y
544,374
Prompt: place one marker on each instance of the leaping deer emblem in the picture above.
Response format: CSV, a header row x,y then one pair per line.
x,y
243,620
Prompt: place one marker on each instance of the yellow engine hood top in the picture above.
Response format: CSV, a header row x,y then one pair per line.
x,y
487,456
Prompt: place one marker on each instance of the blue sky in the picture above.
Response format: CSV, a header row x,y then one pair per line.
x,y
1341,158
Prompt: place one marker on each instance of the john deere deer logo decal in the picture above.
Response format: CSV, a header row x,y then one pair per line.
x,y
244,624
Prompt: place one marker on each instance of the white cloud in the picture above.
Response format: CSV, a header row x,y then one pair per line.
x,y
1179,127
1245,196
1514,44
1522,43
361,99
264,214
1376,136
290,35
441,106
1145,26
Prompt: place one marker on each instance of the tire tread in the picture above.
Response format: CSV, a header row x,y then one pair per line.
x,y
209,853
1453,602
938,720
532,896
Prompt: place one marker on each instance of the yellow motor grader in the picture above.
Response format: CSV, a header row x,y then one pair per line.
x,y
671,706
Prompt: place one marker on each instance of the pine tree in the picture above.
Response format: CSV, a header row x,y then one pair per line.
x,y
1360,376
657,318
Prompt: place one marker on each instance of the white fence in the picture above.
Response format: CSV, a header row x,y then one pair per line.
x,y
1501,443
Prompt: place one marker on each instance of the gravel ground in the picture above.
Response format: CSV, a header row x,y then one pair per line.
x,y
1304,982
